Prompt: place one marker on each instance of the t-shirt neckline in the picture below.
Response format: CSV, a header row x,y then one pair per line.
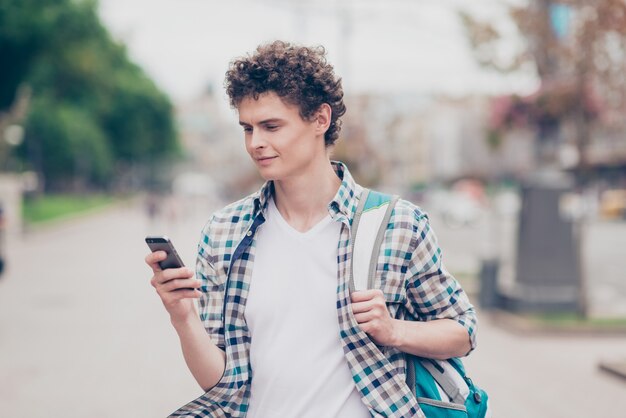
x,y
274,212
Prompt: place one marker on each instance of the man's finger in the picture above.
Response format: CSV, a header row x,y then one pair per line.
x,y
153,259
364,317
180,284
173,274
360,307
364,295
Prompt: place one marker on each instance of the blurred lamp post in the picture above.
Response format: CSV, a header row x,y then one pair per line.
x,y
11,133
13,136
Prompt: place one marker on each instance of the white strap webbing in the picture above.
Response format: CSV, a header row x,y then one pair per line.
x,y
368,227
449,382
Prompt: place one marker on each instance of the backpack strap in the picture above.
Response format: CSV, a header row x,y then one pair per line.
x,y
450,380
371,218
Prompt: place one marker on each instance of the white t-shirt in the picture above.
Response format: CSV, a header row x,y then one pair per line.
x,y
298,366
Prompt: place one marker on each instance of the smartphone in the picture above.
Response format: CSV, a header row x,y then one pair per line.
x,y
163,243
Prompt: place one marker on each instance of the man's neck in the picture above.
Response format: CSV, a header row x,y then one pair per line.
x,y
303,200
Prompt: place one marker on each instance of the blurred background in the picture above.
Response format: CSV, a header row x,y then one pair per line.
x,y
504,119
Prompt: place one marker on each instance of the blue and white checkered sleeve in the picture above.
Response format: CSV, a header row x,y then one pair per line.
x,y
212,287
432,291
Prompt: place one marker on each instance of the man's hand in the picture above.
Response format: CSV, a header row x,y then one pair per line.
x,y
370,311
176,287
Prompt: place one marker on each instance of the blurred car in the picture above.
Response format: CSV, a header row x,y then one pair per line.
x,y
463,205
613,204
461,210
507,203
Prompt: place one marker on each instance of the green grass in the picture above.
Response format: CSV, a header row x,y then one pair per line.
x,y
573,320
50,207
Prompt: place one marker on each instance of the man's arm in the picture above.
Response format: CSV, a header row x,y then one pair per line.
x,y
177,290
437,339
205,360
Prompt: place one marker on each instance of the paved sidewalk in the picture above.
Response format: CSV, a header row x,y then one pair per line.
x,y
82,332
547,376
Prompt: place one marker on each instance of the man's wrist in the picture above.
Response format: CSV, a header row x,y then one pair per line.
x,y
399,333
183,323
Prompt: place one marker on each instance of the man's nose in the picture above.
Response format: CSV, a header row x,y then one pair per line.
x,y
257,139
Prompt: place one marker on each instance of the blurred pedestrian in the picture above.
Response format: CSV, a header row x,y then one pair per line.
x,y
279,334
2,234
152,206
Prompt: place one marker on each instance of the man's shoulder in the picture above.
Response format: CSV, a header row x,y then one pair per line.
x,y
238,211
232,218
407,213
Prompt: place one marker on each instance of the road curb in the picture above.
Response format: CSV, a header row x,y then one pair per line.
x,y
617,368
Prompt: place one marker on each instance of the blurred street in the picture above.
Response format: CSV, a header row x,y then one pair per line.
x,y
82,333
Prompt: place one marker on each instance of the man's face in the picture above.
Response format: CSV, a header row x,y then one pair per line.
x,y
280,142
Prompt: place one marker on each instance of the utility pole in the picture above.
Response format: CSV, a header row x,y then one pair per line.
x,y
343,11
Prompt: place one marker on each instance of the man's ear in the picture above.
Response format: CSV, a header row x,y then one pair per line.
x,y
322,118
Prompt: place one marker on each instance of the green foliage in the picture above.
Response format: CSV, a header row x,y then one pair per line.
x,y
148,133
72,143
91,106
23,29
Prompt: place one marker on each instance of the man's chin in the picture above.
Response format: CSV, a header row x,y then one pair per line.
x,y
268,175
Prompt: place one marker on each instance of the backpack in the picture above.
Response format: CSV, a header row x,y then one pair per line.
x,y
441,387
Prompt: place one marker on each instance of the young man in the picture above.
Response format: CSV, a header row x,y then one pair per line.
x,y
279,334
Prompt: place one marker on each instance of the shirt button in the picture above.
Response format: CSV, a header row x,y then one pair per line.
x,y
249,233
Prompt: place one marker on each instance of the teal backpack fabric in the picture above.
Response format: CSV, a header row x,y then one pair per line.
x,y
465,401
442,388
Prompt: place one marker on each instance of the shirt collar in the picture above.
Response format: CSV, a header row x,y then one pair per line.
x,y
344,202
261,197
346,198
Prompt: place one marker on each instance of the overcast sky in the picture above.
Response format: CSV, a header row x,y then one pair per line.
x,y
378,46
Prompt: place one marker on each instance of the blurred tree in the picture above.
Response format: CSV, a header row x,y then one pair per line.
x,y
578,50
75,147
23,29
93,111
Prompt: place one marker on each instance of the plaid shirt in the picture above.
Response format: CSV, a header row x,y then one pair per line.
x,y
410,273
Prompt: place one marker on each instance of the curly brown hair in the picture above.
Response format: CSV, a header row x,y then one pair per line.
x,y
299,75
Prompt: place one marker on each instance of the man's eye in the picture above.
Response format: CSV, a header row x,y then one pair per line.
x,y
247,129
271,127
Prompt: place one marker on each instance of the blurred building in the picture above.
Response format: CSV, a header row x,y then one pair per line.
x,y
418,139
594,150
212,142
